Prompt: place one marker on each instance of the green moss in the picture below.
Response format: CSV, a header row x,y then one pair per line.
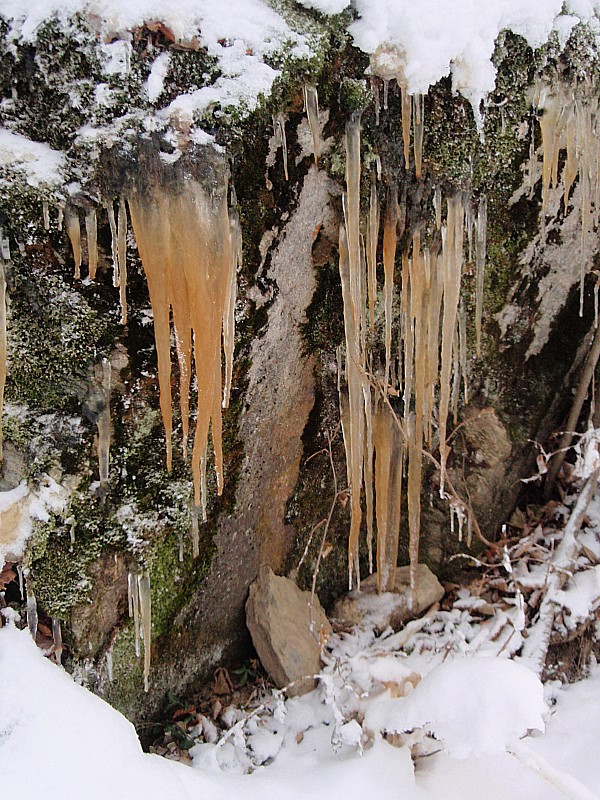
x,y
50,327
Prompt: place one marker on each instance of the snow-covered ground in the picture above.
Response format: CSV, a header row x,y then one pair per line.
x,y
55,736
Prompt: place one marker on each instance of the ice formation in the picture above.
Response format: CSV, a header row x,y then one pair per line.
x,y
569,121
432,347
103,423
140,610
74,233
311,104
190,249
91,230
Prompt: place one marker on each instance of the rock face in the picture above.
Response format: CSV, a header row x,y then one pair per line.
x,y
286,633
388,608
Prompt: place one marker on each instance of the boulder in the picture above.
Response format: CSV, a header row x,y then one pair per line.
x,y
367,607
286,634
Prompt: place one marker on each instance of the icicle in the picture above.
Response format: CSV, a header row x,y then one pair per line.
x,y
389,457
452,242
3,344
532,163
103,423
415,469
419,111
386,91
279,130
21,581
32,613
455,376
46,215
184,242
134,609
389,258
372,239
91,229
311,105
74,234
406,123
353,297
462,349
146,621
195,532
355,427
109,664
61,216
436,292
114,246
408,335
368,469
376,99
122,258
229,317
481,244
57,638
437,205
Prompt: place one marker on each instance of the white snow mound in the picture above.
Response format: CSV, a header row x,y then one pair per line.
x,y
475,706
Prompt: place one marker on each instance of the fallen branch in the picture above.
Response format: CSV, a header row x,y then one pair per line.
x,y
560,569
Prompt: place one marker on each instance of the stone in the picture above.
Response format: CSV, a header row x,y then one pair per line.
x,y
288,645
388,609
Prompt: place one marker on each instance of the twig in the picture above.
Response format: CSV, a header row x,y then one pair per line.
x,y
560,569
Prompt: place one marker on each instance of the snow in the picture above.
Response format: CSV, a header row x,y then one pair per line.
x,y
241,36
22,507
475,706
56,733
431,39
41,164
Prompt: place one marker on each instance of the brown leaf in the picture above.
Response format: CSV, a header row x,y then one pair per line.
x,y
181,713
222,682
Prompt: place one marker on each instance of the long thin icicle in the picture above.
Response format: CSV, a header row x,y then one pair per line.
x,y
389,457
311,104
146,622
390,236
103,424
353,296
122,258
74,234
480,254
114,246
452,244
91,229
372,239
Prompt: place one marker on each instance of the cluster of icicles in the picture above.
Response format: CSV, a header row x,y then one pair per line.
x,y
570,123
383,446
190,246
379,444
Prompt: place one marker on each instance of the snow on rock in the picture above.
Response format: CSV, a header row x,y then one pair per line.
x,y
20,508
41,164
240,36
475,706
432,39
